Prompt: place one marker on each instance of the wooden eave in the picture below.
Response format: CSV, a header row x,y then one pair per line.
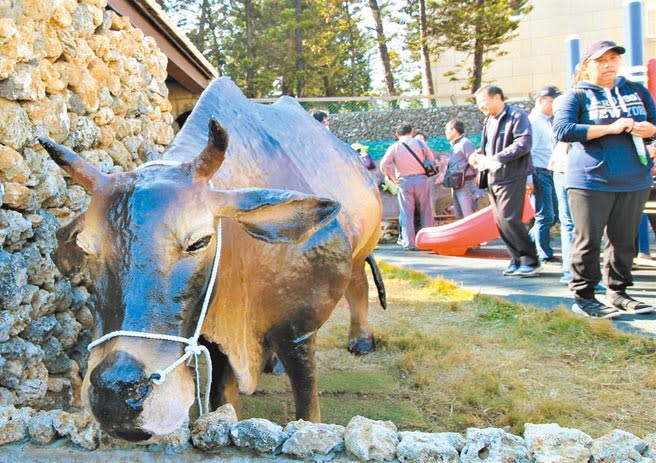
x,y
186,65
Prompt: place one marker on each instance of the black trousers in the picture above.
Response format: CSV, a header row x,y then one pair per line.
x,y
508,204
616,216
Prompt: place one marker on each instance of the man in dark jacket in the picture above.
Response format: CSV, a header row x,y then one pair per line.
x,y
505,155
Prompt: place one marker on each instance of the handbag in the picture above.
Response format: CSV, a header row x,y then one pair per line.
x,y
454,180
429,168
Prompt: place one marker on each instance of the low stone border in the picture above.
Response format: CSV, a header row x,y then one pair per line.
x,y
27,435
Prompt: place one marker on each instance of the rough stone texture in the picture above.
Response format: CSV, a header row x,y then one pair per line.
x,y
261,435
619,447
363,440
212,430
380,125
41,427
371,439
309,439
430,447
79,427
492,445
13,424
74,71
175,442
549,443
650,440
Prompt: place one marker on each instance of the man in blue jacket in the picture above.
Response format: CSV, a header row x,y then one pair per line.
x,y
505,155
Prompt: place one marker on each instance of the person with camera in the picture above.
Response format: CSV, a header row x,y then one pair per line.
x,y
460,176
407,163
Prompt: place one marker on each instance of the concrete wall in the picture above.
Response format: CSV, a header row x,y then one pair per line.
x,y
537,56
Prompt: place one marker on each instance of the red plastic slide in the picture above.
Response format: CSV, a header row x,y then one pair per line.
x,y
455,238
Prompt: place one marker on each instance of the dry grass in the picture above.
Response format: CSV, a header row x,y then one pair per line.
x,y
453,360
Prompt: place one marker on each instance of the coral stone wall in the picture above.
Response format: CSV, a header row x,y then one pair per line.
x,y
82,75
380,125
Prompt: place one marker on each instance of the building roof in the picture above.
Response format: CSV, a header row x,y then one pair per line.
x,y
186,65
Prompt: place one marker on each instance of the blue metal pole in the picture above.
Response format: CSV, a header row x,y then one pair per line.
x,y
633,32
573,53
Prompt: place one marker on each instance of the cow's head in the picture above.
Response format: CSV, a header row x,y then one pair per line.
x,y
149,238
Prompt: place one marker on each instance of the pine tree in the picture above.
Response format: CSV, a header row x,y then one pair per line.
x,y
477,28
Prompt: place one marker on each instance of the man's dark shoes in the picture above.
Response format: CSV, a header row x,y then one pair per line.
x,y
511,269
552,260
622,301
593,308
527,271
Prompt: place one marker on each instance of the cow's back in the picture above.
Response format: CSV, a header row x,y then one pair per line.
x,y
281,146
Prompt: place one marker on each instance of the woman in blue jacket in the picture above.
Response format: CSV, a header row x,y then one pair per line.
x,y
609,180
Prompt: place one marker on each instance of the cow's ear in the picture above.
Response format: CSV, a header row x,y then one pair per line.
x,y
68,256
275,216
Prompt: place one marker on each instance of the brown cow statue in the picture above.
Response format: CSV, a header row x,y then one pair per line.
x,y
244,246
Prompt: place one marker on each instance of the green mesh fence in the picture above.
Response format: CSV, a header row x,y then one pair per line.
x,y
377,148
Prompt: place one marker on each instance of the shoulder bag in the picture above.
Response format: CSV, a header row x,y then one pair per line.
x,y
429,168
454,180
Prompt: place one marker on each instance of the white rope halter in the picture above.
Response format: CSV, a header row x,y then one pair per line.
x,y
192,347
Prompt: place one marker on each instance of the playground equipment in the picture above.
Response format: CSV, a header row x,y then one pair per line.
x,y
456,238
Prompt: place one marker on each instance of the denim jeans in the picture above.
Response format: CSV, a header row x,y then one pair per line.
x,y
566,223
540,233
465,199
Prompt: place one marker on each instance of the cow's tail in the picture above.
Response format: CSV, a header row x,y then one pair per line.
x,y
378,279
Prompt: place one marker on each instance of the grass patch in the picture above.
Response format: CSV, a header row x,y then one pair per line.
x,y
448,359
355,382
339,410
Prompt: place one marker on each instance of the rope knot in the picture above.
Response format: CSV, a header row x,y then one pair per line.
x,y
194,349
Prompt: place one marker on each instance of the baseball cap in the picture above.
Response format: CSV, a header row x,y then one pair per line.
x,y
549,90
359,147
598,48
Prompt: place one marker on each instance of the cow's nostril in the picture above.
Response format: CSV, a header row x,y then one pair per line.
x,y
118,390
133,435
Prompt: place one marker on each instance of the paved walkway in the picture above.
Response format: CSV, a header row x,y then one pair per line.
x,y
480,271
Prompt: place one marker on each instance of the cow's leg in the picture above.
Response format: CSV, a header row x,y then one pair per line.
x,y
300,365
361,339
224,384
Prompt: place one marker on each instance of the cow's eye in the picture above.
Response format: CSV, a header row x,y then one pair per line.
x,y
199,244
83,244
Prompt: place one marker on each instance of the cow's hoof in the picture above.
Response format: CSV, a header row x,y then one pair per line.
x,y
361,346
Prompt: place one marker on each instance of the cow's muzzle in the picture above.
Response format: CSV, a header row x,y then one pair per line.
x,y
119,387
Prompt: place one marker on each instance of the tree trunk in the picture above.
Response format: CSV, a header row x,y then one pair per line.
x,y
382,47
250,47
298,50
201,25
427,75
206,26
477,70
351,35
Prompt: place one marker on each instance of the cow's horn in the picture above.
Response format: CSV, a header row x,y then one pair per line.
x,y
80,170
211,158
